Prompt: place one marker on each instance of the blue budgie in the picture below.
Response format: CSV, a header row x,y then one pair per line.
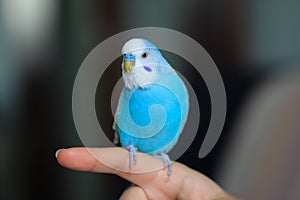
x,y
153,106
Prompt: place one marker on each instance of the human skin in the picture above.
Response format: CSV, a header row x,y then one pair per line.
x,y
183,183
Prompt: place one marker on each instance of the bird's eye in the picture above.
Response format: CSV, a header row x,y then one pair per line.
x,y
144,55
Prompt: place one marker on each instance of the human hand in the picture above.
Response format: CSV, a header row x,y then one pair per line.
x,y
184,183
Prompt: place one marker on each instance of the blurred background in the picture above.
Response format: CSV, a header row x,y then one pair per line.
x,y
255,44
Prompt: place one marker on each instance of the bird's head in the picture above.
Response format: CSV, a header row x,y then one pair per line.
x,y
142,62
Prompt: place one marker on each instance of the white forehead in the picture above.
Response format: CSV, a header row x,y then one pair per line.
x,y
133,44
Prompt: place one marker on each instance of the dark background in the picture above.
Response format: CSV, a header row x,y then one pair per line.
x,y
43,43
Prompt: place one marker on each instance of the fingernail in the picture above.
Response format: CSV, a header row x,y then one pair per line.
x,y
57,152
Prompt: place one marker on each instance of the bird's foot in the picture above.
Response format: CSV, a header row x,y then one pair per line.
x,y
132,155
167,162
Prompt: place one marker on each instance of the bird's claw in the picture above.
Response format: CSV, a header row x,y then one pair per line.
x,y
132,155
167,162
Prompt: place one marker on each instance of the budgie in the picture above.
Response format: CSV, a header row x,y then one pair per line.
x,y
153,106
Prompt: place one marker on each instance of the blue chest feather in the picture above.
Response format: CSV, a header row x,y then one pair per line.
x,y
152,118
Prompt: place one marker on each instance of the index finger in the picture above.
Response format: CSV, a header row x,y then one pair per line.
x,y
147,169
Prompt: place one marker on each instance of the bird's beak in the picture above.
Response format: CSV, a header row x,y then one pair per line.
x,y
129,62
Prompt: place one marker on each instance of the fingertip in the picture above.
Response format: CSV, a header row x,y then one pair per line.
x,y
57,152
71,158
62,155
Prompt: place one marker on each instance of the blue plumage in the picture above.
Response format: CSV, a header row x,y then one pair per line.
x,y
153,106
